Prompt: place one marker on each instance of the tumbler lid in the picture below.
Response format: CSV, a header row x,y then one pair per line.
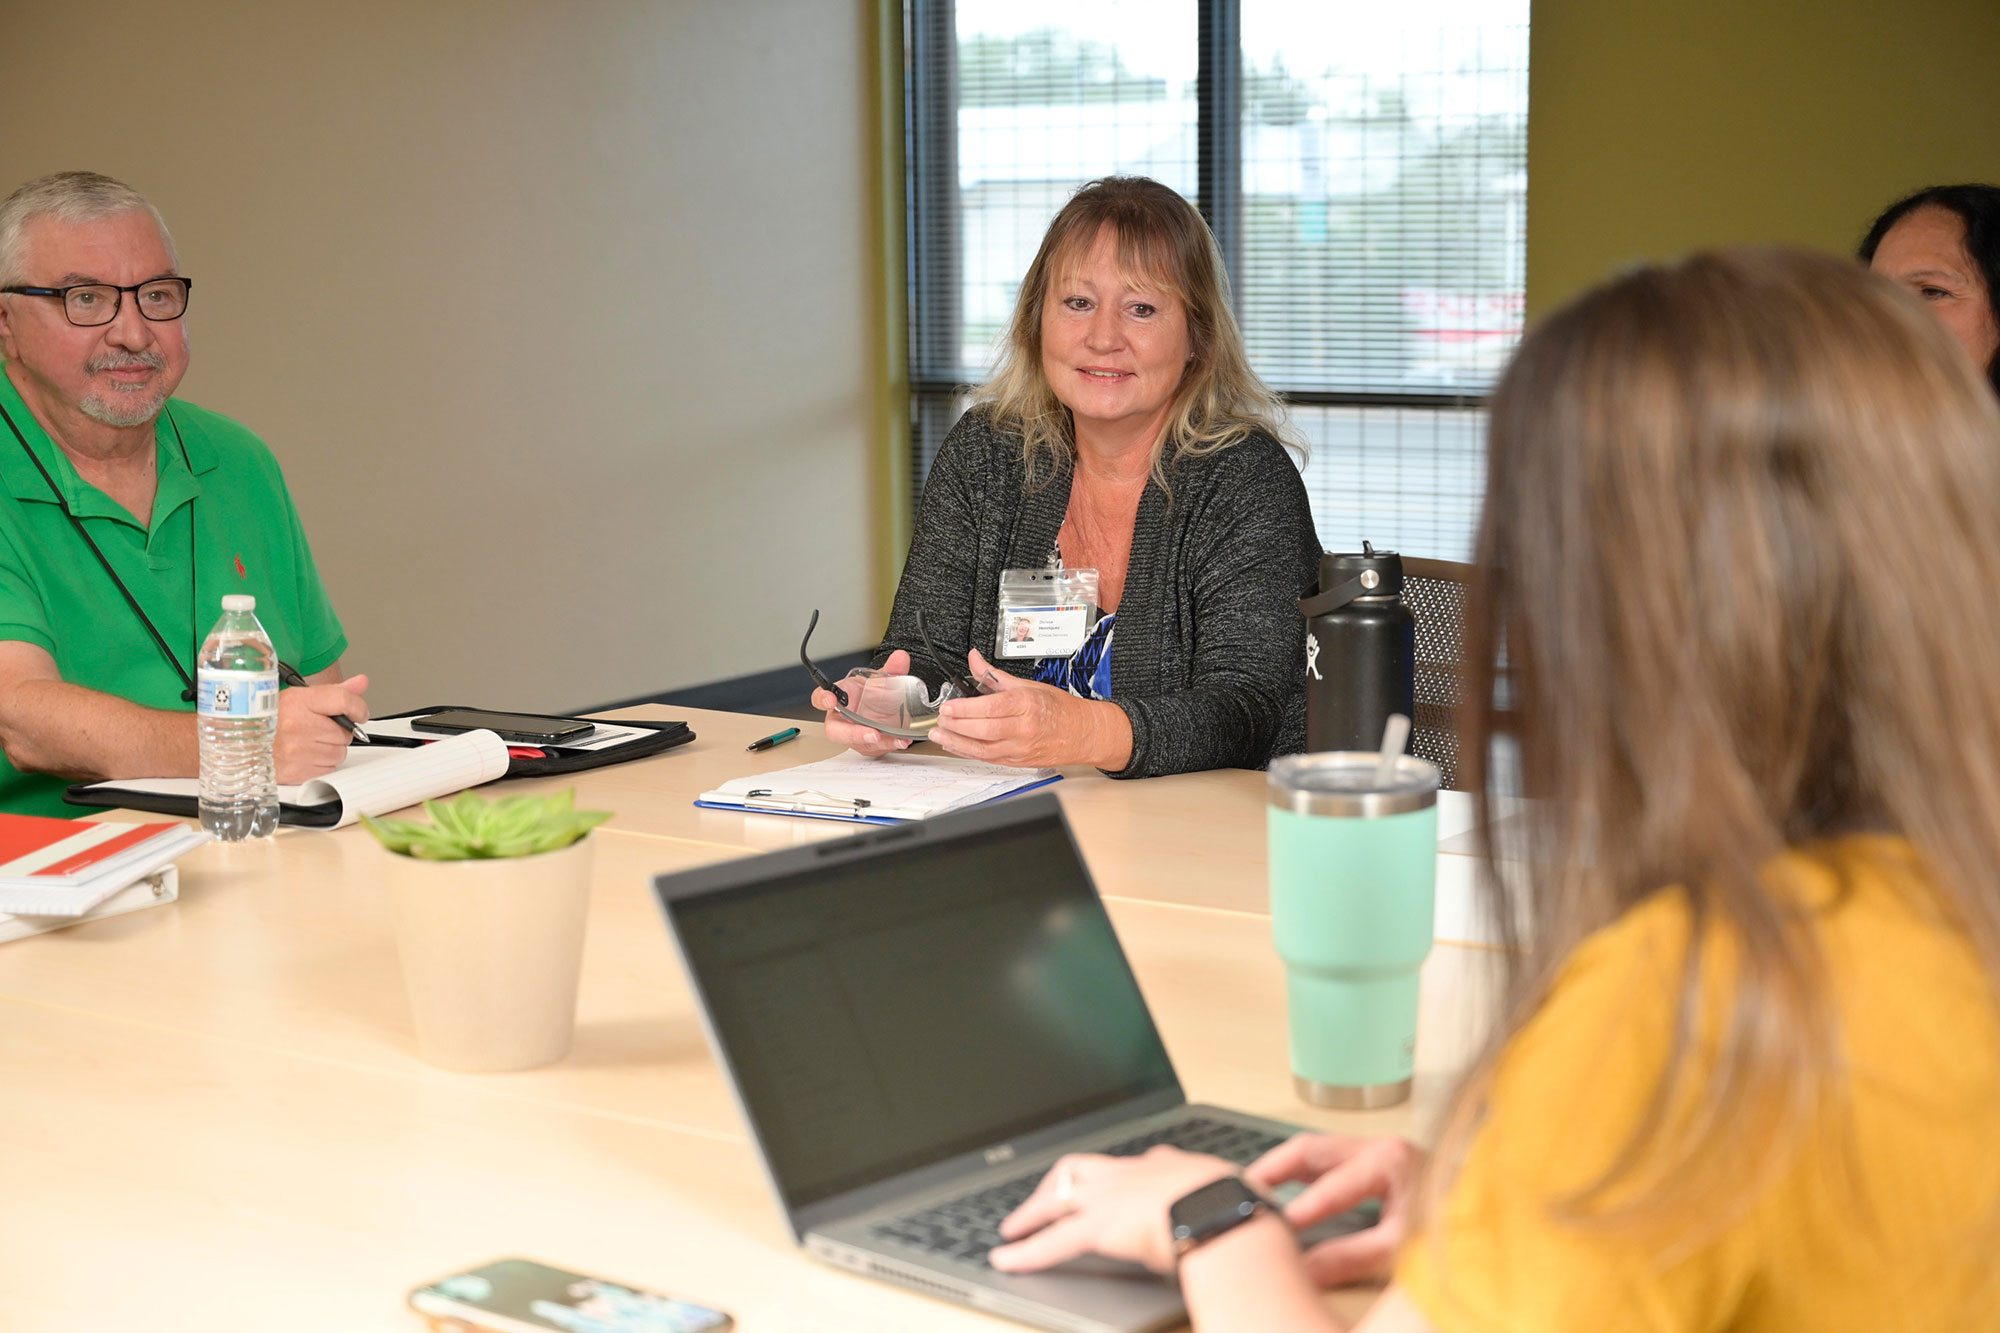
x,y
1348,783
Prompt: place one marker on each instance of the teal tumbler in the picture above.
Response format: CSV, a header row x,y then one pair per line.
x,y
1353,891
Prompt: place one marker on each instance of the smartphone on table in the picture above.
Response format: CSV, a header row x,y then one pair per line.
x,y
518,728
522,1296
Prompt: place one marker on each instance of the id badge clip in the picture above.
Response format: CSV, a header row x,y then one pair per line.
x,y
1044,612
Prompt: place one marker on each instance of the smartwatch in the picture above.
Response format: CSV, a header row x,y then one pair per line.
x,y
1201,1215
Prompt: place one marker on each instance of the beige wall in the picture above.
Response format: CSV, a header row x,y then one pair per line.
x,y
1655,128
560,317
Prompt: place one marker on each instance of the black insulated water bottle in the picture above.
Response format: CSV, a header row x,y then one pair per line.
x,y
1361,650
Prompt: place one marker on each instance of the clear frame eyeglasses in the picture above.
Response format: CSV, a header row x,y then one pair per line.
x,y
899,706
90,304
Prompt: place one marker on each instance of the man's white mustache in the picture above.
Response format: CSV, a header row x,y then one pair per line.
x,y
125,360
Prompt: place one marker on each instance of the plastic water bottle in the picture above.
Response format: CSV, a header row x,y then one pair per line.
x,y
236,717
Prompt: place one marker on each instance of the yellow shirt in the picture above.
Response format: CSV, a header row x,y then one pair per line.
x,y
1921,1151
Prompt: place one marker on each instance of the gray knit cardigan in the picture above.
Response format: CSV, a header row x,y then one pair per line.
x,y
1209,659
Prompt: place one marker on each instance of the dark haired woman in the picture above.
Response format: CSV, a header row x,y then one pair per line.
x,y
1944,244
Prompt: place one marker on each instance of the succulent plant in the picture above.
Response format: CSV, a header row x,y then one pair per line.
x,y
469,827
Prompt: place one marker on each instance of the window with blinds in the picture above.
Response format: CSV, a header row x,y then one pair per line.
x,y
1363,167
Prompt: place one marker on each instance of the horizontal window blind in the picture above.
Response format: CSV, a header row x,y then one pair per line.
x,y
1038,99
1385,194
1407,479
1374,163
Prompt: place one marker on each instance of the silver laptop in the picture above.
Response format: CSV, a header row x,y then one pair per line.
x,y
916,1022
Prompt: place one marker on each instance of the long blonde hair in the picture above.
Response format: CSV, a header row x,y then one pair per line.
x,y
1164,244
1740,566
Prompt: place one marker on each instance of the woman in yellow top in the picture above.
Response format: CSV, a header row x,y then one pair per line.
x,y
1742,548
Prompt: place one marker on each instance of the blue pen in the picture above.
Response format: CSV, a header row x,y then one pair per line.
x,y
778,738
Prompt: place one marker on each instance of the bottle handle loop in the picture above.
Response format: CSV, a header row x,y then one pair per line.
x,y
1336,597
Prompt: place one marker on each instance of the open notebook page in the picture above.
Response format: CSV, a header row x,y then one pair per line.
x,y
374,780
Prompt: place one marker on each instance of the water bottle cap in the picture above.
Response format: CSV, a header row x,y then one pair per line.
x,y
1386,568
239,601
1347,576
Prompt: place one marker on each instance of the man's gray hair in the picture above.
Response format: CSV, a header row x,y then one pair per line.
x,y
70,196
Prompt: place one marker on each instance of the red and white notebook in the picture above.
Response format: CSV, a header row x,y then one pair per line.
x,y
65,867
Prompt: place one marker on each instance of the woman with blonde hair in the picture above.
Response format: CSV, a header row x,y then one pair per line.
x,y
1738,557
1124,433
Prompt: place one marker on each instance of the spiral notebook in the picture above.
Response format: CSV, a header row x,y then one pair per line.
x,y
893,789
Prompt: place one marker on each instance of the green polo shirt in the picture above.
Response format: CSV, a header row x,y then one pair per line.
x,y
228,493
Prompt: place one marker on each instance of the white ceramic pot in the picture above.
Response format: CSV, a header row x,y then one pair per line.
x,y
491,951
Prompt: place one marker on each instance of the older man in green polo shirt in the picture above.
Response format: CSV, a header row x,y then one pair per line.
x,y
126,515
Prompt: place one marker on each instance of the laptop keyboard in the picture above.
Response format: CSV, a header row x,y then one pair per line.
x,y
968,1227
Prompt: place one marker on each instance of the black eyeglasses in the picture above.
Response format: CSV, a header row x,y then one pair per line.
x,y
958,680
818,676
896,705
953,676
90,304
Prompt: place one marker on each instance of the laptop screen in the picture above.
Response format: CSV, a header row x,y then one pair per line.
x,y
917,1003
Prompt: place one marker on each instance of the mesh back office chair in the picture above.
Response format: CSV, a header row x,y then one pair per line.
x,y
1435,591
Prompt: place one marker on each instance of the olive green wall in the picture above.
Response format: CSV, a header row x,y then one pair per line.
x,y
1656,128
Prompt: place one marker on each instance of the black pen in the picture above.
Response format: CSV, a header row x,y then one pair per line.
x,y
777,738
290,675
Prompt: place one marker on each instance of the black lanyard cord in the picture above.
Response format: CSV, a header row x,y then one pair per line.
x,y
194,653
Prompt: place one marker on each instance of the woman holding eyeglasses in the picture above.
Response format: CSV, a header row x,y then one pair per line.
x,y
1125,437
1739,550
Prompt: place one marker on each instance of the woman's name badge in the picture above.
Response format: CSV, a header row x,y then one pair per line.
x,y
1045,612
1044,631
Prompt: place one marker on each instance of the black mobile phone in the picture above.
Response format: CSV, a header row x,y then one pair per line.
x,y
522,1296
520,728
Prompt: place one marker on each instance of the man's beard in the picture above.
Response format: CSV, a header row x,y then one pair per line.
x,y
125,408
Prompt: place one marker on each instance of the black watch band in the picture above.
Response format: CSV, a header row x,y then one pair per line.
x,y
1201,1215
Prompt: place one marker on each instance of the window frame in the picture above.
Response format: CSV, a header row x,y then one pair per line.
x,y
930,109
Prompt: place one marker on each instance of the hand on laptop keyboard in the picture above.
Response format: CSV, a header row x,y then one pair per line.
x,y
1091,1204
968,1228
1118,1209
1343,1172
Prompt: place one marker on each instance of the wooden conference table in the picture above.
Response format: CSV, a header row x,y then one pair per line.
x,y
212,1115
